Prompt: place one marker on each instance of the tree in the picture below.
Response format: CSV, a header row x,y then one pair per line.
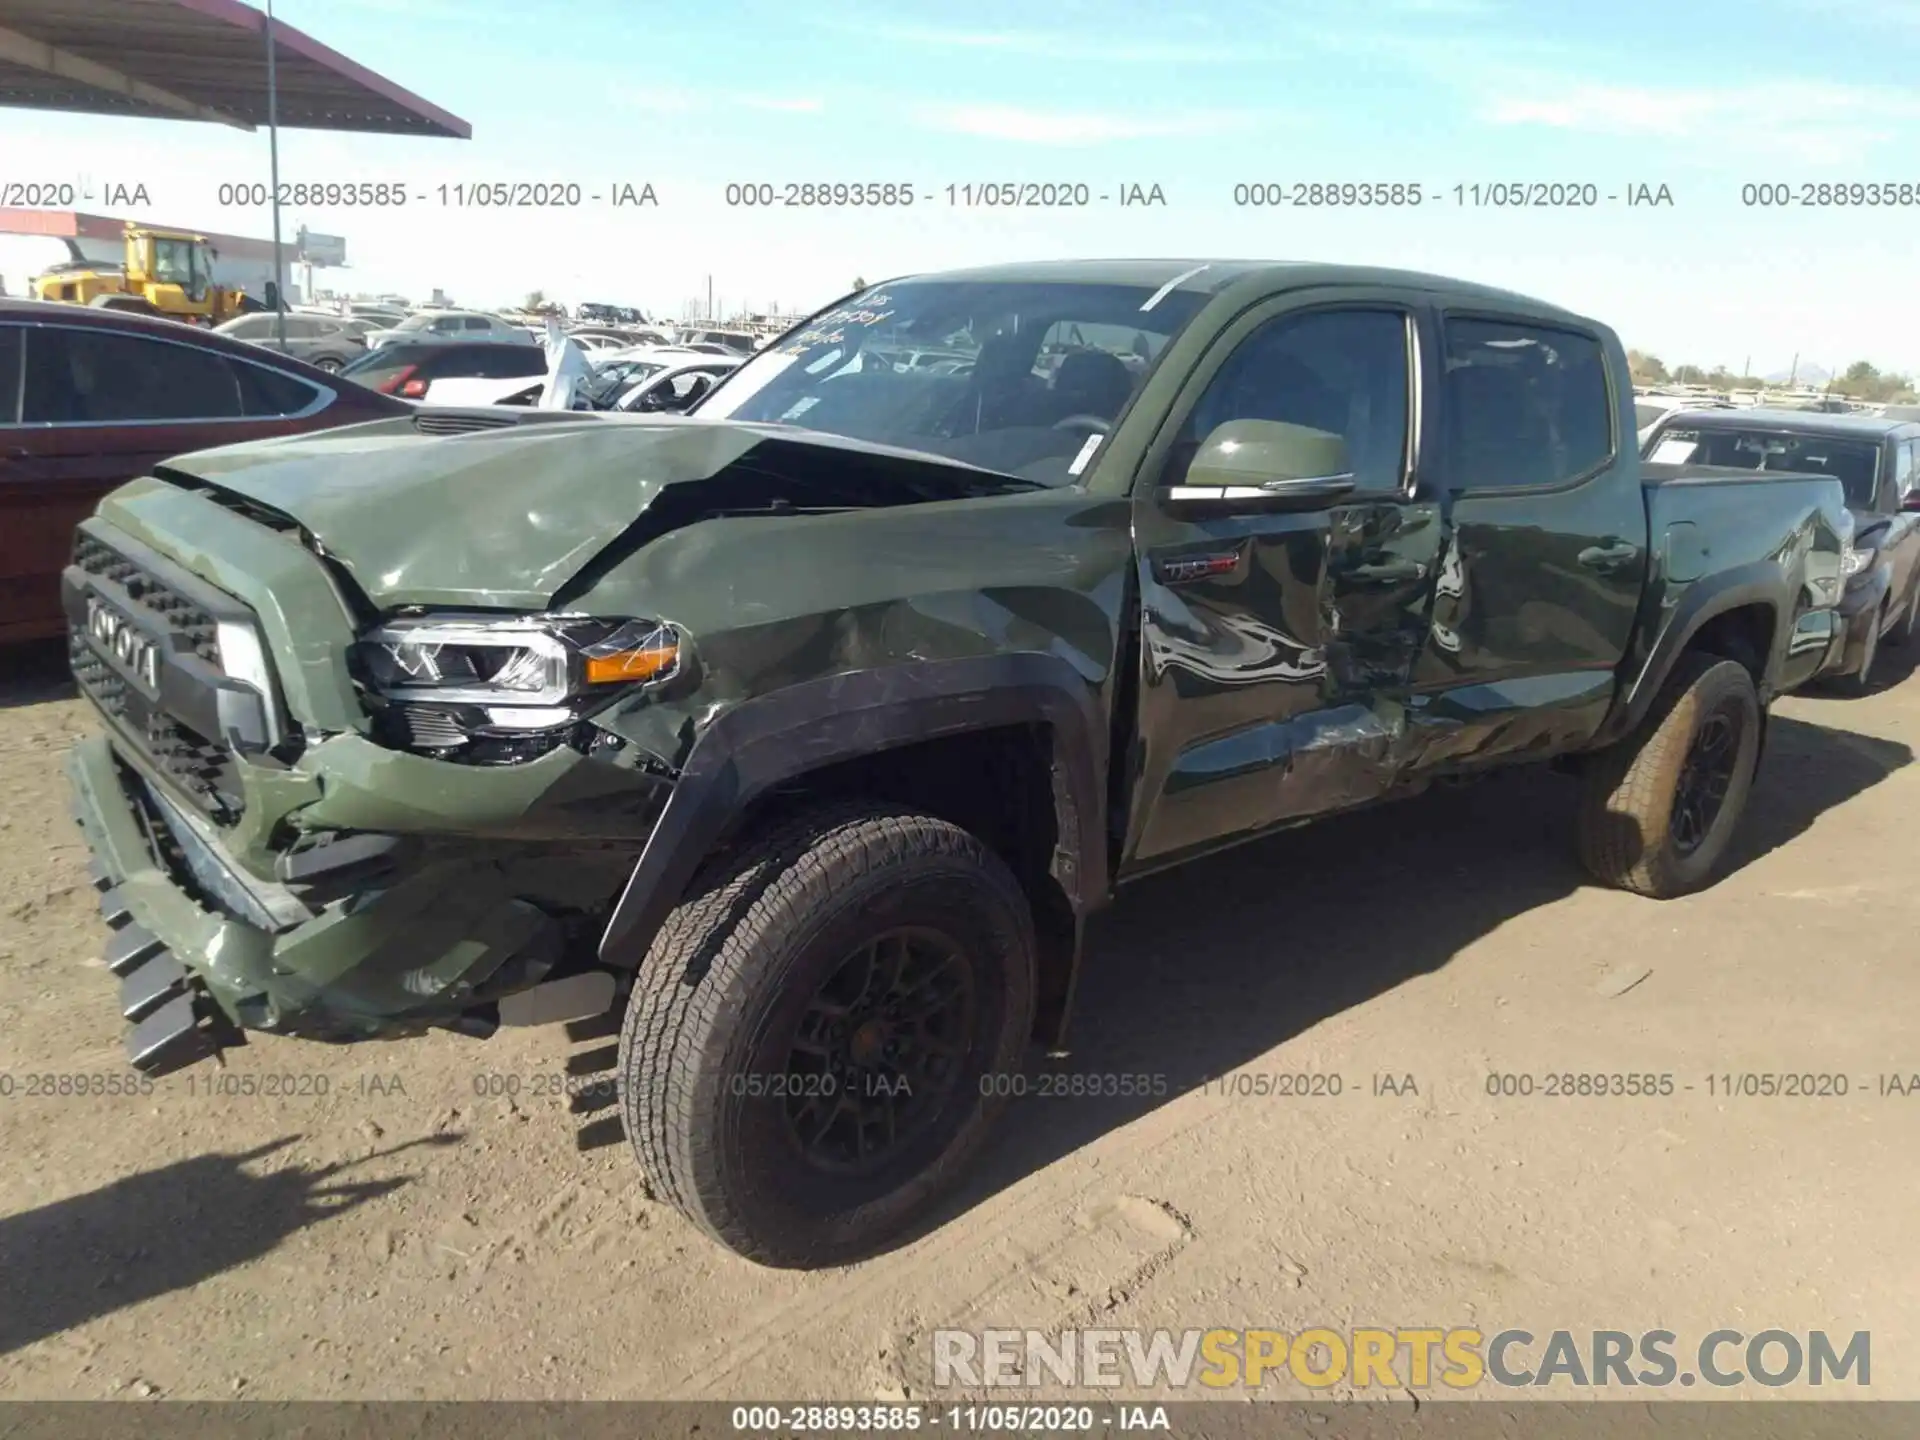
x,y
1645,368
858,283
536,299
1689,375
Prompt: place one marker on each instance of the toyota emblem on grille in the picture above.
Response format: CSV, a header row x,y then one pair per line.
x,y
115,635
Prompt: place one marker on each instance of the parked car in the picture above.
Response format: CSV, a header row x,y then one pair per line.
x,y
1878,460
93,397
623,338
1650,410
330,344
444,326
669,382
804,732
701,337
410,369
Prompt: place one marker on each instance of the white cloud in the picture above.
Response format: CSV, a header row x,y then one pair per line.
x,y
1807,122
1075,127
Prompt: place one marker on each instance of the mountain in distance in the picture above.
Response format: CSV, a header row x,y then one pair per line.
x,y
1808,374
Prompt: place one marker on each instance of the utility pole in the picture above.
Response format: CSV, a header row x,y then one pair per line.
x,y
1793,374
709,297
273,166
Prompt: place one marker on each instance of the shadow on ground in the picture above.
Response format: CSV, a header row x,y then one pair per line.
x,y
33,673
1197,972
168,1229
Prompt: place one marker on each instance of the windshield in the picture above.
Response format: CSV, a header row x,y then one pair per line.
x,y
1855,463
1013,377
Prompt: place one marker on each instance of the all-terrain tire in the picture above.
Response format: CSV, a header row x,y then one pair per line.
x,y
706,1048
1628,791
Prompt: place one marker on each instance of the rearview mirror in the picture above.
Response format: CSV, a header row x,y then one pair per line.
x,y
1265,465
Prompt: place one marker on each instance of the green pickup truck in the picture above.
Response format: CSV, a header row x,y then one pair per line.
x,y
802,733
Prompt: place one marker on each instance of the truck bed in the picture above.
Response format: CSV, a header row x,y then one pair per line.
x,y
1654,473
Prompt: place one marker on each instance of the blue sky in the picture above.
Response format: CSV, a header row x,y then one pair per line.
x,y
1194,98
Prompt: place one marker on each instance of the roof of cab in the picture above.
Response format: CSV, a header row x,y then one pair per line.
x,y
1813,422
1213,277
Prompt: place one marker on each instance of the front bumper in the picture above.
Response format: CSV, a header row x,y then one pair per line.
x,y
206,951
1859,612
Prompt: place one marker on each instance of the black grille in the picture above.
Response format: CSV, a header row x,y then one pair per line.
x,y
201,768
177,613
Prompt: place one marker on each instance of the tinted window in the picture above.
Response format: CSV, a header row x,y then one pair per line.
x,y
445,325
12,338
271,392
1902,469
299,327
1342,371
477,322
92,376
1524,405
502,362
253,327
1855,463
1912,448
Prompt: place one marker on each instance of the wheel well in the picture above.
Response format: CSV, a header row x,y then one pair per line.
x,y
1744,633
1001,785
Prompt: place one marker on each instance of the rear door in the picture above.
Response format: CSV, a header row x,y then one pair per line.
x,y
1547,553
1273,644
96,408
1903,530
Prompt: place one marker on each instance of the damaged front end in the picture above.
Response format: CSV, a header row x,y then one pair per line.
x,y
379,762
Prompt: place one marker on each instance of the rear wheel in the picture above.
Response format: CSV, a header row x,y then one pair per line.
x,y
808,1058
328,363
1659,808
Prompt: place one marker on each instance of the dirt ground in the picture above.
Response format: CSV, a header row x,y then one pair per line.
x,y
405,1235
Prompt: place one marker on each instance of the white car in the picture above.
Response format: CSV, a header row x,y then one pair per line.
x,y
650,381
468,325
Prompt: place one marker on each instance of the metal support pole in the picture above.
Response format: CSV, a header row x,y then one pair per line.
x,y
273,195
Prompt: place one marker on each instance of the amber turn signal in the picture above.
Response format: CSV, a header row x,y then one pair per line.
x,y
628,667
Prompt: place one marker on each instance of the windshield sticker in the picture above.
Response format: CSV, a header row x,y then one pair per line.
x,y
1081,460
1673,452
825,329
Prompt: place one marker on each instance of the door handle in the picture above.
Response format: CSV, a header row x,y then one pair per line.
x,y
1388,572
1610,555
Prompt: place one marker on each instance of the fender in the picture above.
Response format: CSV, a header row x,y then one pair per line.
x,y
781,736
1759,583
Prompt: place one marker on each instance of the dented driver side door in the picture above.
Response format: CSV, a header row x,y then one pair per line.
x,y
1277,648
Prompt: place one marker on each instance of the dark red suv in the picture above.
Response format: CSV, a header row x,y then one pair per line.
x,y
93,397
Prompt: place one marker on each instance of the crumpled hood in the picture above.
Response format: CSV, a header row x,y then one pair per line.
x,y
504,518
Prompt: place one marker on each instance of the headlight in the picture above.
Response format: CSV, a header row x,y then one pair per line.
x,y
1852,561
542,662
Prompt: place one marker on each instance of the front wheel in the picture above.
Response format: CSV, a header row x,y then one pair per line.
x,y
329,364
807,1061
1659,808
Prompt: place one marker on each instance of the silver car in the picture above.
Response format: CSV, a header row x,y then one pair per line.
x,y
466,325
321,340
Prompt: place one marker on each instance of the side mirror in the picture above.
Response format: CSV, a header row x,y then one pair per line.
x,y
1263,465
1912,501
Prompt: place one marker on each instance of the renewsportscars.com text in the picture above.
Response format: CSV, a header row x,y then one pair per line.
x,y
1420,1357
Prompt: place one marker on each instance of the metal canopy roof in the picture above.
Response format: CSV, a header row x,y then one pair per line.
x,y
195,60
